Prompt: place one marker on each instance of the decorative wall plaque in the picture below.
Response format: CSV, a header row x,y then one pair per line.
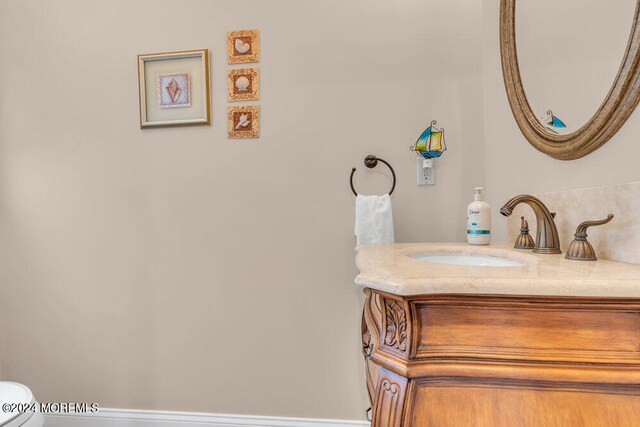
x,y
243,84
244,121
243,46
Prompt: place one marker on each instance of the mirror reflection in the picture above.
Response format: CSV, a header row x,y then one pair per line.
x,y
560,40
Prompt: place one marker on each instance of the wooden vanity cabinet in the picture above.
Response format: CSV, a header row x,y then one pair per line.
x,y
490,360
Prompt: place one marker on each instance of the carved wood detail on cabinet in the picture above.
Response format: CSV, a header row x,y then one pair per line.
x,y
389,402
396,325
371,327
460,360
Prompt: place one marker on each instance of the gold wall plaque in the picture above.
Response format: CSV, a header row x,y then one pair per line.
x,y
243,121
243,84
243,46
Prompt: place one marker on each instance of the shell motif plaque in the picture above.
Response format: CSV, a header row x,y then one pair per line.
x,y
243,46
243,84
174,90
243,121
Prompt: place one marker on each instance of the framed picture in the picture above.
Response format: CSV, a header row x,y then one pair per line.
x,y
243,84
243,46
174,88
244,121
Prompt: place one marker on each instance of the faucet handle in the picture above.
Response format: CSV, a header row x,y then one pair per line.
x,y
580,249
524,240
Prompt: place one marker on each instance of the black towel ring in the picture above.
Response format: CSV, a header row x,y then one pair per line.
x,y
371,161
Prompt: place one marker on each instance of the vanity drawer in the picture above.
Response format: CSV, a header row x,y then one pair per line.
x,y
570,331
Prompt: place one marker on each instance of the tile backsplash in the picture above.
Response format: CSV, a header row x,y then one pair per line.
x,y
618,240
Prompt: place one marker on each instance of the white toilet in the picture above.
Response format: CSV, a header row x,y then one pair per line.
x,y
14,393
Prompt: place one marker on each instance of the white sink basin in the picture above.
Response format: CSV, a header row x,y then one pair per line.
x,y
468,260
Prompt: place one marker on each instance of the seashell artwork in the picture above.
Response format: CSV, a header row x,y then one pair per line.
x,y
174,90
243,46
243,84
244,121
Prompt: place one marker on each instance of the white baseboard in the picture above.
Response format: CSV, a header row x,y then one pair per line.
x,y
136,418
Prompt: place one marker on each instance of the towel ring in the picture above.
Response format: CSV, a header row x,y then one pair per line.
x,y
371,161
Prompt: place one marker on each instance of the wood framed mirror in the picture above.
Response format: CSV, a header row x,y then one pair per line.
x,y
618,104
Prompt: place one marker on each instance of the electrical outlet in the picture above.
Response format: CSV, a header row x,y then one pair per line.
x,y
426,176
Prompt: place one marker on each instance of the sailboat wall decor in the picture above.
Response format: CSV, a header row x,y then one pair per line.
x,y
431,143
552,122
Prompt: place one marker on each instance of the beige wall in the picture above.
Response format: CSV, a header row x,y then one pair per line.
x,y
513,166
175,269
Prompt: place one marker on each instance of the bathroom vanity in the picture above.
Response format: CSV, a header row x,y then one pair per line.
x,y
537,340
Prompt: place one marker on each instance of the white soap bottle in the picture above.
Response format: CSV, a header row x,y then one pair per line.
x,y
478,219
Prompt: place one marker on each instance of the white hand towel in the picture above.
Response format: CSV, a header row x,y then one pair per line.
x,y
374,220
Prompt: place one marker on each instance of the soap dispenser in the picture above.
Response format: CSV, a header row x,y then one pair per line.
x,y
478,219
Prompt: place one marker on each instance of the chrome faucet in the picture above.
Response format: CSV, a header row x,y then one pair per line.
x,y
547,241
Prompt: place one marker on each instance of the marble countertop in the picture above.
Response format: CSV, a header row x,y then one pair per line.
x,y
390,268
